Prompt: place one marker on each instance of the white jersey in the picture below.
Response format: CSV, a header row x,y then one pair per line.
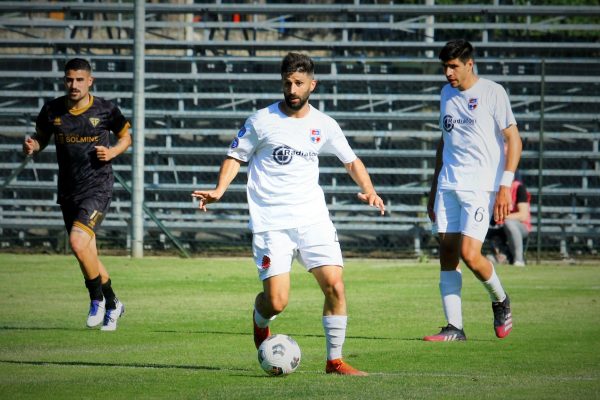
x,y
472,122
283,171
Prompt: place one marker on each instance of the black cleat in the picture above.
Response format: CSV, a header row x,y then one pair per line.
x,y
502,317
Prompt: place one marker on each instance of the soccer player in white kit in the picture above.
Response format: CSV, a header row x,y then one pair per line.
x,y
472,177
288,214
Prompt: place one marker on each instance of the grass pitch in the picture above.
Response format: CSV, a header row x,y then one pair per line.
x,y
186,333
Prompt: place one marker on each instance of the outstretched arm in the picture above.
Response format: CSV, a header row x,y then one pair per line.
x,y
357,171
229,170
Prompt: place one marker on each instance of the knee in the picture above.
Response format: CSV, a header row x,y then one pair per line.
x,y
449,258
511,227
334,290
78,245
469,256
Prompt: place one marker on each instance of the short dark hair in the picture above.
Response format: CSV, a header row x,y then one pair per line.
x,y
297,62
78,64
459,48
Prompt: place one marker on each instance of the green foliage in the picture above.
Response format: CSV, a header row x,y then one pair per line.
x,y
187,333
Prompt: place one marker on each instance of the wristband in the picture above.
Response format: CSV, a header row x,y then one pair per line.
x,y
507,178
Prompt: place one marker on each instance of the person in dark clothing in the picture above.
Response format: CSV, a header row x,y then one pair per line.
x,y
81,125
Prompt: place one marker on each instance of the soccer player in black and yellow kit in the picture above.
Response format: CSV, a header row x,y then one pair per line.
x,y
81,126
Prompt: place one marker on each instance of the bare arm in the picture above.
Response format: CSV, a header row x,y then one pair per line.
x,y
229,170
432,192
521,214
514,146
357,171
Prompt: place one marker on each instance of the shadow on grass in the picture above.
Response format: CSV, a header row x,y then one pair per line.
x,y
124,365
206,332
309,335
42,328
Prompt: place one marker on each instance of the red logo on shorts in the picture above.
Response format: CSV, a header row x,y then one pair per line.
x,y
266,262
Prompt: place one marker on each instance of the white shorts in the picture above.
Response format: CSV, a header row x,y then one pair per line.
x,y
315,245
467,212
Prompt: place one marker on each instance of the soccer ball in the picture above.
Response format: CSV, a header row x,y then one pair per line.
x,y
279,355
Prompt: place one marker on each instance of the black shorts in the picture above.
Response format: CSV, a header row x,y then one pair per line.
x,y
86,214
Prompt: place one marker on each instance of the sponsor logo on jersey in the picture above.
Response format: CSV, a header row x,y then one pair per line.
x,y
94,121
61,138
235,143
241,132
283,154
448,122
473,104
315,135
56,121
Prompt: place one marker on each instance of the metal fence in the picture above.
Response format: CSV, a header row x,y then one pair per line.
x,y
209,66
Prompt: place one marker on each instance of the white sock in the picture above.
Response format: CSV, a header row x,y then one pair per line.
x,y
494,287
450,288
261,321
335,334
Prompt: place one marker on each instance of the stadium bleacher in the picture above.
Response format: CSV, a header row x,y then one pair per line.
x,y
378,77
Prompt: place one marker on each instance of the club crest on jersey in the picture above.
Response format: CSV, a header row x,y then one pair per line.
x,y
94,121
315,135
56,121
473,104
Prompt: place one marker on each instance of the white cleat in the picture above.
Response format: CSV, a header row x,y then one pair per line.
x,y
111,317
96,314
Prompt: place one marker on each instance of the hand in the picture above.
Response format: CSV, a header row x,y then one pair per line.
x,y
206,197
30,146
431,210
373,200
502,205
103,153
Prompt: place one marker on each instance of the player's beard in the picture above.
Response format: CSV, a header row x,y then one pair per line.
x,y
75,96
288,101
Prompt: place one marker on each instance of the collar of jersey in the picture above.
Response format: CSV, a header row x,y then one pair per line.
x,y
79,111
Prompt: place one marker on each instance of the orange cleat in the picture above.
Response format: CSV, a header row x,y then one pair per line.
x,y
338,366
260,334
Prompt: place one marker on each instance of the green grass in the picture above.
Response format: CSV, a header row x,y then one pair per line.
x,y
187,333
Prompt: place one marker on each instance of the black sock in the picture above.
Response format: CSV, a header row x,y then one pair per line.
x,y
109,295
94,286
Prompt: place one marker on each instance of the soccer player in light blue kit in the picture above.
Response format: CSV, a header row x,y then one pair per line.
x,y
288,214
472,177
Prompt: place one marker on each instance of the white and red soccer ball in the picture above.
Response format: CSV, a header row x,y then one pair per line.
x,y
279,355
